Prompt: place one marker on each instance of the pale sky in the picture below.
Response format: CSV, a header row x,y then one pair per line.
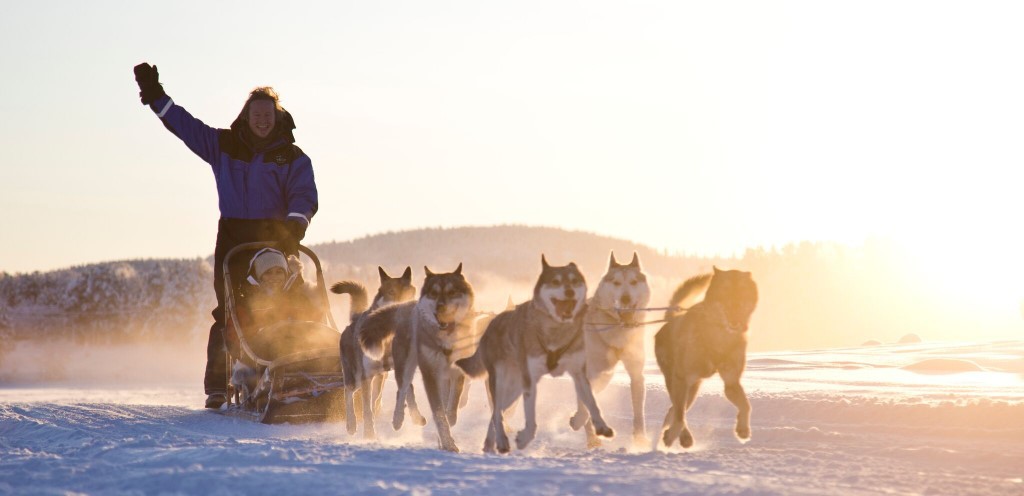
x,y
700,127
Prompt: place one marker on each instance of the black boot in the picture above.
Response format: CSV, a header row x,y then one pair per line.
x,y
215,400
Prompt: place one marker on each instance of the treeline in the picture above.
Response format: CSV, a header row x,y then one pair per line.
x,y
813,295
108,302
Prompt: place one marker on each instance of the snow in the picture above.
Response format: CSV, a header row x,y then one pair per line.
x,y
897,419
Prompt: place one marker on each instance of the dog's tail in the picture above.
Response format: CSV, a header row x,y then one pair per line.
x,y
686,293
360,300
379,327
473,366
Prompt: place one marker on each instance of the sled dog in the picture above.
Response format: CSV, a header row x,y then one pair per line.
x,y
612,332
431,334
710,337
363,375
541,336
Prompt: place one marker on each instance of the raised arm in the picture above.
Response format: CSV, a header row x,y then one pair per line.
x,y
199,137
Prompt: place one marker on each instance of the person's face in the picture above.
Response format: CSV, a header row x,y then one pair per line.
x,y
273,279
262,114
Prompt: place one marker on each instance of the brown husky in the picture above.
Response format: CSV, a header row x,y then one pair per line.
x,y
710,337
365,376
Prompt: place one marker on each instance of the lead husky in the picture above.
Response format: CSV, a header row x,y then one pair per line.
x,y
431,334
363,375
539,337
710,337
612,334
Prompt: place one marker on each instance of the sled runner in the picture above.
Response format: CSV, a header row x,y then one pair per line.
x,y
288,371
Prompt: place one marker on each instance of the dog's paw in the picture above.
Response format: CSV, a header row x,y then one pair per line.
x,y
593,442
524,438
668,438
578,420
685,438
369,433
640,439
398,420
743,433
450,447
604,431
503,446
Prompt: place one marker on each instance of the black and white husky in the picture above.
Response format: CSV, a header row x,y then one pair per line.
x,y
542,336
430,334
613,333
364,375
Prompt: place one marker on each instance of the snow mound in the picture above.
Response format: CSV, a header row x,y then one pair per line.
x,y
943,366
910,339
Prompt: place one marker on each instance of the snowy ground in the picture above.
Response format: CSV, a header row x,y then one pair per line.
x,y
898,419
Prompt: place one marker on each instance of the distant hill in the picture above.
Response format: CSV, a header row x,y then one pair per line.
x,y
812,295
172,298
499,261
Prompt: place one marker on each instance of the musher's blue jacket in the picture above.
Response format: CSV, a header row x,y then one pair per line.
x,y
274,183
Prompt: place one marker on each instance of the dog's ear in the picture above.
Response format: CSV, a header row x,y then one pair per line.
x,y
407,275
383,274
716,269
612,263
636,261
458,270
510,305
428,272
544,262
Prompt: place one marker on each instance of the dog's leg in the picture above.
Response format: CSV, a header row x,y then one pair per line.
x,y
458,383
580,418
369,429
378,392
464,396
403,382
676,415
489,440
414,410
529,432
669,415
350,409
585,394
437,385
501,399
635,369
735,393
692,388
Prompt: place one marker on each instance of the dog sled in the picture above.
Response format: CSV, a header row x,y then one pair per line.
x,y
289,371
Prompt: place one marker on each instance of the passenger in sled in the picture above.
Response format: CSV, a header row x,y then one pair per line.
x,y
275,306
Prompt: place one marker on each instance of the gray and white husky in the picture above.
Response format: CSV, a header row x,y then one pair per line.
x,y
613,333
539,337
430,334
364,376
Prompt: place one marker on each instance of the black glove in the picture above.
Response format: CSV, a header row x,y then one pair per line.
x,y
296,228
150,89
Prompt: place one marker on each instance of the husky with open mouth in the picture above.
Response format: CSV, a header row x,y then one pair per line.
x,y
612,332
542,336
431,334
